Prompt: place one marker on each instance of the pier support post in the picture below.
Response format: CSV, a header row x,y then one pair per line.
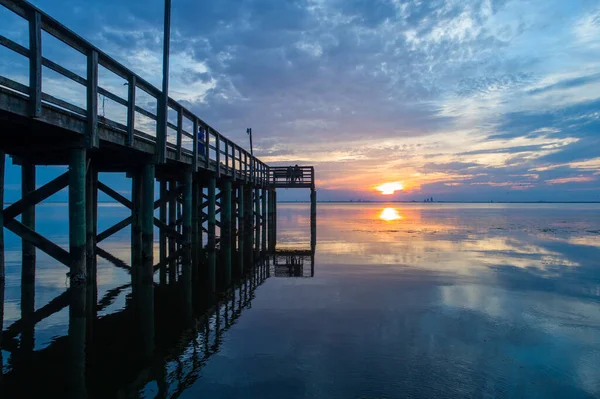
x,y
91,223
162,240
212,210
196,229
28,219
77,229
257,222
249,228
272,216
241,216
226,229
145,273
77,245
172,225
186,214
136,227
263,219
2,267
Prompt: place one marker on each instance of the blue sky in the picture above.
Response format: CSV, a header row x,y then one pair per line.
x,y
459,100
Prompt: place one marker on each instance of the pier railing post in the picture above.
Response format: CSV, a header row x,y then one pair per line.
x,y
212,208
226,229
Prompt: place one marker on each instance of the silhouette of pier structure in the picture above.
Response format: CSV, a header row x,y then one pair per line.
x,y
216,203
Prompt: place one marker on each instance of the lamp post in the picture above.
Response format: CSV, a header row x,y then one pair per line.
x,y
249,131
163,108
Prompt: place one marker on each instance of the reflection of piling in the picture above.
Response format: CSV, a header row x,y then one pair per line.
x,y
212,260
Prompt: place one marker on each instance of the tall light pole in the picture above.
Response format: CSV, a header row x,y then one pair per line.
x,y
249,131
163,107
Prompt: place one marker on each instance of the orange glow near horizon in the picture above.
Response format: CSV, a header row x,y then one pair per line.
x,y
389,214
390,188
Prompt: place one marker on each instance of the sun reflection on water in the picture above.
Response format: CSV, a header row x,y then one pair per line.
x,y
389,214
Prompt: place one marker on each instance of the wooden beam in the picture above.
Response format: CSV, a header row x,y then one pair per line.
x,y
114,195
114,229
39,241
170,232
39,195
168,260
169,196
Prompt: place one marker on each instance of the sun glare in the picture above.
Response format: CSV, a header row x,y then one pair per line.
x,y
389,214
390,188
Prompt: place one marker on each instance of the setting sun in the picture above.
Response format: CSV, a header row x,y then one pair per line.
x,y
389,214
390,188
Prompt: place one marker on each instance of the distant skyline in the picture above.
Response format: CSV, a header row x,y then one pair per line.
x,y
459,100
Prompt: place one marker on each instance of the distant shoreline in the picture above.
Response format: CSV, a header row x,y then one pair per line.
x,y
380,202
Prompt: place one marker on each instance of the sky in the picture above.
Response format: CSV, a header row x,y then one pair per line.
x,y
459,100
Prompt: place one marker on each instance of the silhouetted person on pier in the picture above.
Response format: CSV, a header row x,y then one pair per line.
x,y
200,141
289,178
297,174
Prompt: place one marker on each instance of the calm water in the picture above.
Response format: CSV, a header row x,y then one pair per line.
x,y
405,300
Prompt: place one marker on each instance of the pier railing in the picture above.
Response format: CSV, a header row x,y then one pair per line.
x,y
216,152
292,176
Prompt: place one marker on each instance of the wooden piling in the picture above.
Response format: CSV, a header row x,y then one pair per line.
x,y
136,227
226,230
263,219
271,217
249,228
196,229
2,267
241,227
77,230
163,234
186,214
257,219
28,220
173,226
145,274
91,222
212,261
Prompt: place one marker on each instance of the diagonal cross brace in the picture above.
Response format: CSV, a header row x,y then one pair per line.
x,y
37,196
114,195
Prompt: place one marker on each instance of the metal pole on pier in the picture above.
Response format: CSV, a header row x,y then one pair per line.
x,y
163,107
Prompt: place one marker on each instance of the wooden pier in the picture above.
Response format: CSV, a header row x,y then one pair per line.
x,y
216,202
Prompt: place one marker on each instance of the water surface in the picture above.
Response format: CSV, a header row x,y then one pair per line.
x,y
403,300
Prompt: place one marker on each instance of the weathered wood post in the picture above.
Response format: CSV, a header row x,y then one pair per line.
x,y
28,219
249,228
212,210
91,223
257,222
173,226
162,240
196,229
241,216
226,229
77,228
186,214
77,246
271,214
136,227
2,267
145,274
263,218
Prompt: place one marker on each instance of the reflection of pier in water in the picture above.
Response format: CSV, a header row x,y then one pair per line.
x,y
158,343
